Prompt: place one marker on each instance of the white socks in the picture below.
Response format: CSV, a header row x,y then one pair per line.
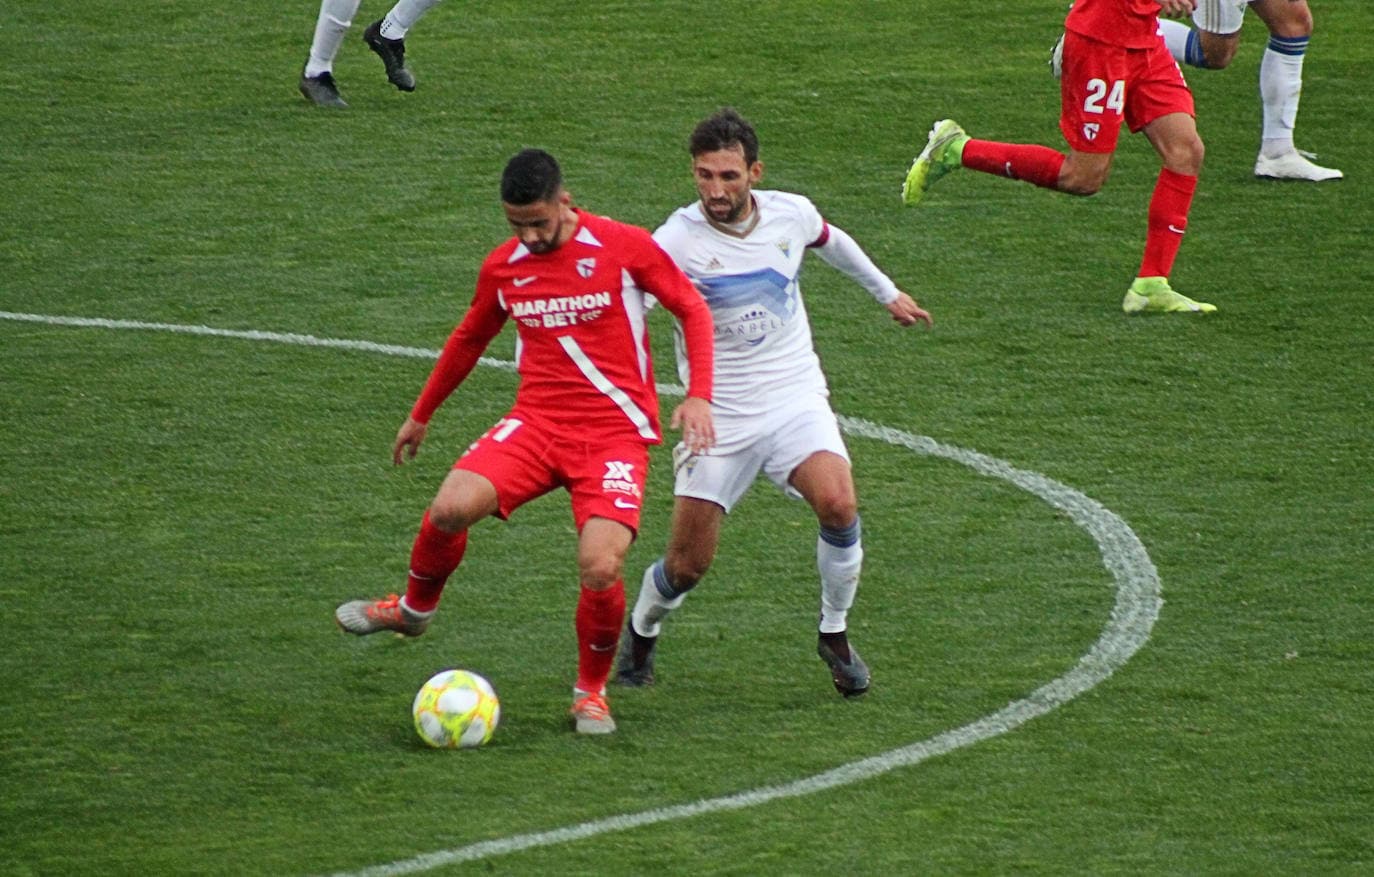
x,y
1280,87
336,16
656,599
403,16
839,557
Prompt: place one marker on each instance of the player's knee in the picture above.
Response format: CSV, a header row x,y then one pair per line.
x,y
462,500
837,510
1185,155
1296,22
1080,188
448,514
1073,182
1083,173
600,571
1218,52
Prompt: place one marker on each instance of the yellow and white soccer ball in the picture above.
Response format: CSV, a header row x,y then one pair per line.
x,y
456,709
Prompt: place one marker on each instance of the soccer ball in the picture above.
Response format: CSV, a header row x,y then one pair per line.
x,y
456,709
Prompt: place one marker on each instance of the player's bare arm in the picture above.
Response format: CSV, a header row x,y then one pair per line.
x,y
693,417
1176,8
408,440
907,313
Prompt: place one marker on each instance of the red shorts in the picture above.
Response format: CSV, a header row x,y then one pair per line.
x,y
1102,85
524,461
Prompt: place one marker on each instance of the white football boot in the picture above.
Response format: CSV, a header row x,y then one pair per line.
x,y
1294,165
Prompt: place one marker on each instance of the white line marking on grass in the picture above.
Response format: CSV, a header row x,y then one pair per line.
x,y
1133,616
243,334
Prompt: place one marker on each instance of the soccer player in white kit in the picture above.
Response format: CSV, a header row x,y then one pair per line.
x,y
743,249
1213,44
385,36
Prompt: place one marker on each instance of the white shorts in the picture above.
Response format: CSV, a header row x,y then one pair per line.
x,y
775,443
1220,16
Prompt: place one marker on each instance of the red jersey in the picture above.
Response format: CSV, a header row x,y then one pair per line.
x,y
582,348
1129,24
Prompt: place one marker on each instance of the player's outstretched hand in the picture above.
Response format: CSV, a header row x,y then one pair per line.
x,y
408,438
906,312
693,417
1176,8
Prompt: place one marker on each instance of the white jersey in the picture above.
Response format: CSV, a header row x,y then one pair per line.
x,y
764,353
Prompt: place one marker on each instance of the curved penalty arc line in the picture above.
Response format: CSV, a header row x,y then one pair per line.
x,y
1134,612
1133,616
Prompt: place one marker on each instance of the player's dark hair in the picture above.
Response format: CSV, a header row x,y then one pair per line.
x,y
531,175
724,129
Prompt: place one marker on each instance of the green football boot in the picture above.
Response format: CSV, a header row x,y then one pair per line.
x,y
943,153
1153,295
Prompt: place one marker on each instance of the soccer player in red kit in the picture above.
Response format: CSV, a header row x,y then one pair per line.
x,y
585,410
1116,68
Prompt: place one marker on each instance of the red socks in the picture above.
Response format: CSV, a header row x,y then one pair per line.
x,y
600,615
1169,205
433,558
1034,164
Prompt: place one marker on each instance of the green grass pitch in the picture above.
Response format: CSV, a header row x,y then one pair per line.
x,y
180,513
